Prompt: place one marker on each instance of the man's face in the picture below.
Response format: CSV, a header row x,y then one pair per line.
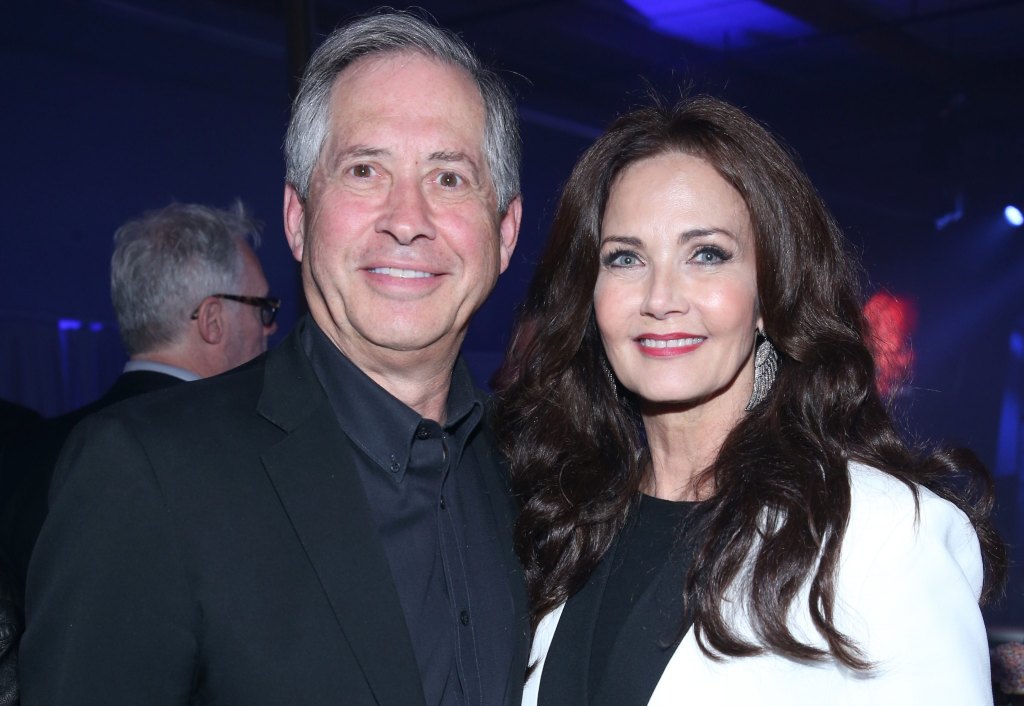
x,y
245,335
400,240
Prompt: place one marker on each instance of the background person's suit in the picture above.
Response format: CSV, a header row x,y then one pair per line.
x,y
29,464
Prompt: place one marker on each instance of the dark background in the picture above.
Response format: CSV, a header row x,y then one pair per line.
x,y
903,111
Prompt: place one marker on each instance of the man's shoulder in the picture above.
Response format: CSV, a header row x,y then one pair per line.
x,y
176,435
137,382
194,404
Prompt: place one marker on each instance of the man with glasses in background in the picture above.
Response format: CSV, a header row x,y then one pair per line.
x,y
190,298
189,292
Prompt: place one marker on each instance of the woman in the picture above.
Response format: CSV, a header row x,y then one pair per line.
x,y
716,503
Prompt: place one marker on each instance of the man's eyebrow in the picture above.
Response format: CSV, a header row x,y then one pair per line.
x,y
363,151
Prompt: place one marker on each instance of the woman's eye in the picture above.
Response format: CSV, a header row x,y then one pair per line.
x,y
362,171
621,259
449,180
708,255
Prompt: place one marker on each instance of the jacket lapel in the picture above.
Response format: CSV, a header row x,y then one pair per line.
x,y
324,499
495,475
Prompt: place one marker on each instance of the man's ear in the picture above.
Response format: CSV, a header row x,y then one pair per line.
x,y
508,230
210,320
294,221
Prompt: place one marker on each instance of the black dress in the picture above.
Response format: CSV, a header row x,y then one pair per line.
x,y
617,634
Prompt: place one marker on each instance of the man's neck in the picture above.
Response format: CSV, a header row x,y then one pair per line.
x,y
165,366
420,379
422,388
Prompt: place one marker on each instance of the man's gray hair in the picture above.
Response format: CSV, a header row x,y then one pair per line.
x,y
391,32
166,262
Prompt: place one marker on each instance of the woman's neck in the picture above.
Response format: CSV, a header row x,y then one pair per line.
x,y
684,442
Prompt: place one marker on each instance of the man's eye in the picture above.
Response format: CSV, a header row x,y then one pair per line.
x,y
363,171
449,180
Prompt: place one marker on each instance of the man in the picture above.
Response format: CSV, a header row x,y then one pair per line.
x,y
190,300
189,292
330,524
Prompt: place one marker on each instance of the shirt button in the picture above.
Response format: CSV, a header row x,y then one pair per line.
x,y
464,618
443,503
422,433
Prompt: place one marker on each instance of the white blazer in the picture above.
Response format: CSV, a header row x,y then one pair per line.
x,y
907,593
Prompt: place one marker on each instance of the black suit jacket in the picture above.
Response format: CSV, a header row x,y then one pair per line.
x,y
214,546
29,465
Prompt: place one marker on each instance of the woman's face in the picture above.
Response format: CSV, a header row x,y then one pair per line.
x,y
676,293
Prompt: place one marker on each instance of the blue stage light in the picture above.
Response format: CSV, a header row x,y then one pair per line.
x,y
1013,216
734,24
1017,344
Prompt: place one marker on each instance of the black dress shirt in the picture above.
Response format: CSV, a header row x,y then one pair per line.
x,y
422,482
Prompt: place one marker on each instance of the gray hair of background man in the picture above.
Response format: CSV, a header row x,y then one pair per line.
x,y
390,32
166,262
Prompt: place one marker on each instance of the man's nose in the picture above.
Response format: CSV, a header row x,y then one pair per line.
x,y
407,213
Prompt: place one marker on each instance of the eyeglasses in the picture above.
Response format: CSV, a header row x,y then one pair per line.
x,y
268,306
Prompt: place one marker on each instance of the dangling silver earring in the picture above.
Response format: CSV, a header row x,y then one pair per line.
x,y
610,375
766,364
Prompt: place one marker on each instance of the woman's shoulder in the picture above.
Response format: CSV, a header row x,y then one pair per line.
x,y
877,493
891,520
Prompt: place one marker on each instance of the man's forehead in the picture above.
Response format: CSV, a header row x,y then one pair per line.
x,y
382,104
392,77
398,59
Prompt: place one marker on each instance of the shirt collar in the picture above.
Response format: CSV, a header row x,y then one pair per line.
x,y
379,423
133,366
